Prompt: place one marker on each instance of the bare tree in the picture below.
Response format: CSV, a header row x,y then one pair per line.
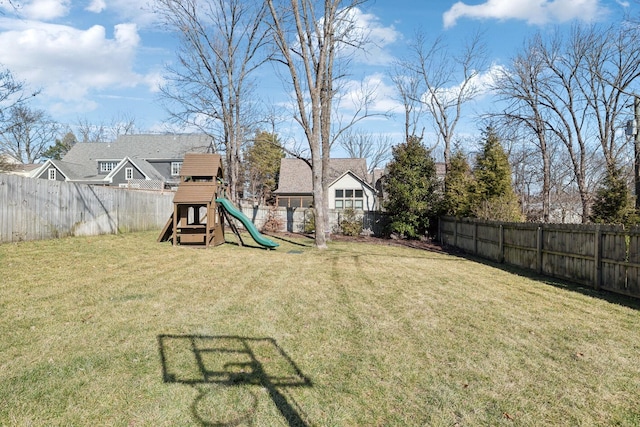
x,y
123,124
12,93
582,106
221,44
313,38
446,81
90,132
375,148
611,66
29,134
520,86
407,82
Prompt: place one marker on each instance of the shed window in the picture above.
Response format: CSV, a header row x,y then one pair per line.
x,y
175,168
349,199
52,174
128,173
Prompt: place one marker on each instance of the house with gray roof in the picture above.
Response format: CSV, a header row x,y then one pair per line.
x,y
349,185
135,161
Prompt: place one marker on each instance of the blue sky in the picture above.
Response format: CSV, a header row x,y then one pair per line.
x,y
100,59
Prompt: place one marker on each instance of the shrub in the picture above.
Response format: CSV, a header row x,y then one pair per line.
x,y
309,221
350,223
274,221
412,189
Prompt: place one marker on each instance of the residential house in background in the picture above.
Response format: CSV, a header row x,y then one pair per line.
x,y
350,185
133,161
11,166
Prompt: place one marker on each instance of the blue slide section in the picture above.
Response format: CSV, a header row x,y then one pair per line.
x,y
248,225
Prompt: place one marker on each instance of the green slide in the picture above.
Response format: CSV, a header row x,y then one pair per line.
x,y
248,225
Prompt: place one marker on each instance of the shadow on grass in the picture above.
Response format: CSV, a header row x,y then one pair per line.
x,y
306,245
223,368
245,245
602,294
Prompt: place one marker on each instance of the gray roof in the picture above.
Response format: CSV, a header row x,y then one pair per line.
x,y
295,174
146,168
76,170
147,147
80,163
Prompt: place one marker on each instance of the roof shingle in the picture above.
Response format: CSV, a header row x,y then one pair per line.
x,y
295,174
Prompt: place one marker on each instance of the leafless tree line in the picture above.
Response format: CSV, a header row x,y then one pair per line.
x,y
568,97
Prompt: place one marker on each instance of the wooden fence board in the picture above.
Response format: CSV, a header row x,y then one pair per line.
x,y
601,256
35,209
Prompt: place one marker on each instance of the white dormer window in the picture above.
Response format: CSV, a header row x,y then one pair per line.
x,y
107,166
175,168
52,174
128,174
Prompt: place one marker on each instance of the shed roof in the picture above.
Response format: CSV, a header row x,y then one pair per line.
x,y
295,174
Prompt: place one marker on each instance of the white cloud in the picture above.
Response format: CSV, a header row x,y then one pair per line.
x,y
366,28
532,11
139,11
68,63
96,6
374,88
480,85
379,38
44,10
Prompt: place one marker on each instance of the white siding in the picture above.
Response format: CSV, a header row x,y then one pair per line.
x,y
350,182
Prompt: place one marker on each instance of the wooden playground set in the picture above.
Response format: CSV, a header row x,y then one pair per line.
x,y
200,208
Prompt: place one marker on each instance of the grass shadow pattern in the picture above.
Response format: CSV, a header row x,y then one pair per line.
x,y
224,367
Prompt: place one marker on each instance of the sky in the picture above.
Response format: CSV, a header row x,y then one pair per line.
x,y
97,60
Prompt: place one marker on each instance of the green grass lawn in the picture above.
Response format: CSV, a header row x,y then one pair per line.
x,y
123,331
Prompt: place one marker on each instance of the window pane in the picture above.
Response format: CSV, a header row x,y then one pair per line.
x,y
339,193
348,193
358,203
339,204
348,204
283,202
358,193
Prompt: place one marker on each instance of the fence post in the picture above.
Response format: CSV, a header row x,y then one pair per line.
x,y
475,237
539,249
597,258
455,233
501,244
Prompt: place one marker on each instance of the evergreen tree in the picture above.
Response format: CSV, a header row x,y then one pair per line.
x,y
262,164
613,201
458,181
411,185
61,147
493,196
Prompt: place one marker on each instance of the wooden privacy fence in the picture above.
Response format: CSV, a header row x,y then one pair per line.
x,y
35,209
295,220
598,256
